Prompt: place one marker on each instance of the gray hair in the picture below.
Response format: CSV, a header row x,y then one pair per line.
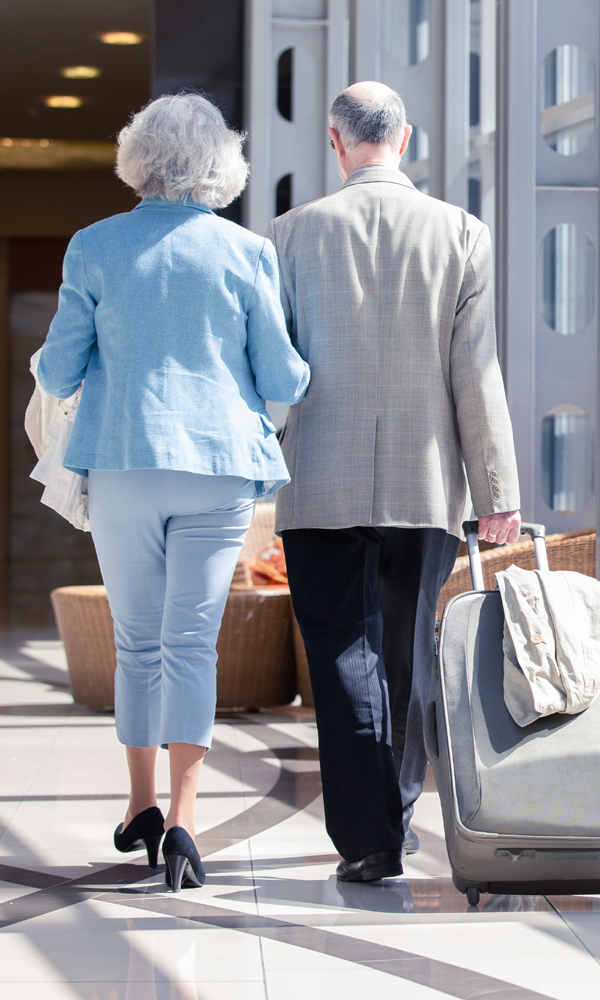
x,y
180,147
375,122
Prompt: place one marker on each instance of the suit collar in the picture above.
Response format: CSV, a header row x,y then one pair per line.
x,y
372,175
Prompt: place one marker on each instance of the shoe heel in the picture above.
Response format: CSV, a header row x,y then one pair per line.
x,y
176,863
152,844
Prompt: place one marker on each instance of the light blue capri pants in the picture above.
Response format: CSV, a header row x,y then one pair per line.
x,y
167,543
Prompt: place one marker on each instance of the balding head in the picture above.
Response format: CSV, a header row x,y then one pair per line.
x,y
369,92
368,112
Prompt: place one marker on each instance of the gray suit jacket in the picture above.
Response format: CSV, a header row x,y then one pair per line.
x,y
388,296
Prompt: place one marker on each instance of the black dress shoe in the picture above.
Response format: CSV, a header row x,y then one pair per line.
x,y
384,864
183,863
145,830
411,843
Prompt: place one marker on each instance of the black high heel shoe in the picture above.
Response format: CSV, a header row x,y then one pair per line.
x,y
145,830
183,864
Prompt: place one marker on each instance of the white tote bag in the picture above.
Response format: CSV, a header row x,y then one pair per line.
x,y
48,423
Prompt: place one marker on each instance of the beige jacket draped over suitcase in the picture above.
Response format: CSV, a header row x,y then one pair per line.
x,y
388,296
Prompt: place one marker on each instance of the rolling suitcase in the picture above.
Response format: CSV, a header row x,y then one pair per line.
x,y
521,806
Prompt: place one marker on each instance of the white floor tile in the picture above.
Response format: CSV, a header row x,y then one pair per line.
x,y
134,990
27,990
586,928
100,942
351,984
536,951
47,651
23,959
431,861
199,954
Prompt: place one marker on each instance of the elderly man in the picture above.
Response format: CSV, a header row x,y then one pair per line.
x,y
388,296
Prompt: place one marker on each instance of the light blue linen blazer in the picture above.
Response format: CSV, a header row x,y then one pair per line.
x,y
172,316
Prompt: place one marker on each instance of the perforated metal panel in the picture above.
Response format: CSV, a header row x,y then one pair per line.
x,y
390,42
288,128
547,250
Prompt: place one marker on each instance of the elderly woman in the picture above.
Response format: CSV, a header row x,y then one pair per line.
x,y
172,316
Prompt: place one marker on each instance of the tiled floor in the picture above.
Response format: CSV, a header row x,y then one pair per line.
x,y
78,920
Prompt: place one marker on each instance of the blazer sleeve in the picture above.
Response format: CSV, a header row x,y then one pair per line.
x,y
482,412
283,295
72,334
280,374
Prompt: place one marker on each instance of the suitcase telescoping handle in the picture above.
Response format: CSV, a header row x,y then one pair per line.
x,y
536,531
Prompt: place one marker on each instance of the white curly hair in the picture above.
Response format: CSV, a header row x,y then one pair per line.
x,y
180,147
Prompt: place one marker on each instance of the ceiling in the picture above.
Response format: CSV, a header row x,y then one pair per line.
x,y
38,37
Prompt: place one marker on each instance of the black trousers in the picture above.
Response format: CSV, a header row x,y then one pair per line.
x,y
365,599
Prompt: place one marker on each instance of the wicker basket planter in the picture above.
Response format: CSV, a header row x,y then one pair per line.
x,y
256,666
259,535
85,626
302,672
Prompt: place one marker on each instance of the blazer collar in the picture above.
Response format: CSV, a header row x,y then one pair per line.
x,y
163,203
372,175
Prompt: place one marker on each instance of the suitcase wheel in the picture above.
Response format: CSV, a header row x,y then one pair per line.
x,y
473,895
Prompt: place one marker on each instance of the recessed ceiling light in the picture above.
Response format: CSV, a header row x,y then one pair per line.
x,y
80,72
121,38
63,101
24,143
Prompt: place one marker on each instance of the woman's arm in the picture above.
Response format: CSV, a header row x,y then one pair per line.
x,y
280,374
72,334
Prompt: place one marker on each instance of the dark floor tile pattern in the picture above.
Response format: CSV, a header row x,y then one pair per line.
x,y
447,979
291,792
135,886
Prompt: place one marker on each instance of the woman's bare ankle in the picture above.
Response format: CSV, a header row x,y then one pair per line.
x,y
186,822
135,809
